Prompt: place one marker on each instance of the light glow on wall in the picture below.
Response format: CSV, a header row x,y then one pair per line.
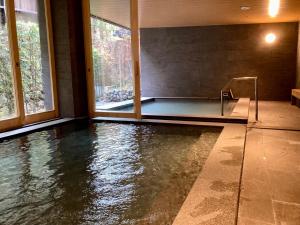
x,y
270,38
274,7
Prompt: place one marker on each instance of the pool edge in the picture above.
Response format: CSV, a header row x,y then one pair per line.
x,y
213,199
214,195
35,128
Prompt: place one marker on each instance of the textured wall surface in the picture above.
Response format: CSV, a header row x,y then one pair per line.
x,y
199,61
77,58
298,60
69,57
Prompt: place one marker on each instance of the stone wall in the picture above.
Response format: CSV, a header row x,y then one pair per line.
x,y
199,61
69,57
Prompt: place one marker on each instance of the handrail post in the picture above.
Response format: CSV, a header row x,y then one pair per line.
x,y
222,104
255,93
256,100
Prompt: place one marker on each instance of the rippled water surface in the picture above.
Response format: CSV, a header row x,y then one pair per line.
x,y
102,173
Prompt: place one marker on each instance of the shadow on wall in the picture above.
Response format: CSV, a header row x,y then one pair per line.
x,y
199,61
298,59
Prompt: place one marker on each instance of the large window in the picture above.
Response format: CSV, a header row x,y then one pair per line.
x,y
112,57
7,94
112,64
34,57
27,79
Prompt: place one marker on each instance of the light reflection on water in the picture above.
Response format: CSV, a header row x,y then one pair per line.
x,y
101,174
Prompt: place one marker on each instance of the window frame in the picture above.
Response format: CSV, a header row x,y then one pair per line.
x,y
21,119
135,49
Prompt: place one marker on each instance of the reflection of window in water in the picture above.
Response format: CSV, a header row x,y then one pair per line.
x,y
30,163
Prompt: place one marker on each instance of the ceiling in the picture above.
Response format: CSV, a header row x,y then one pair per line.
x,y
179,13
117,11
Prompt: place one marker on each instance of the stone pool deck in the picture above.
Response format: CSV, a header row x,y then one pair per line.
x,y
214,196
270,190
252,176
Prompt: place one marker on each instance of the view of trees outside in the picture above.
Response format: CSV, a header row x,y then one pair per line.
x,y
112,62
29,43
30,62
33,84
34,55
7,102
111,55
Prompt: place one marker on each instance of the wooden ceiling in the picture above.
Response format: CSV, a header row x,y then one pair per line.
x,y
180,13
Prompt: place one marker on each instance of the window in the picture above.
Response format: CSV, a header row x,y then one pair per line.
x,y
112,58
112,62
34,58
27,78
7,94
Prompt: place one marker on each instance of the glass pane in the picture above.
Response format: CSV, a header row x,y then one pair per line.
x,y
7,99
34,57
111,45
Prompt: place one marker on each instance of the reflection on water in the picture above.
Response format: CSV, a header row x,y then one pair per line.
x,y
101,173
184,107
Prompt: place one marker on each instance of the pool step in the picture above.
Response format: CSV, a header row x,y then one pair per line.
x,y
217,119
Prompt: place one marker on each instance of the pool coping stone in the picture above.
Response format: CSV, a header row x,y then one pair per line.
x,y
213,199
33,128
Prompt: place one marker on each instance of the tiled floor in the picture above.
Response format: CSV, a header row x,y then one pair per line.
x,y
270,191
275,114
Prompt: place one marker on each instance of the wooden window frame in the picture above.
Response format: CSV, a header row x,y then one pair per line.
x,y
21,118
135,48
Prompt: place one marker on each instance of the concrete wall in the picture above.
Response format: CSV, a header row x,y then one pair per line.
x,y
298,60
69,57
199,61
44,53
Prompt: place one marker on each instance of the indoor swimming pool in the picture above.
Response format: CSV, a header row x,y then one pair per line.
x,y
180,106
101,173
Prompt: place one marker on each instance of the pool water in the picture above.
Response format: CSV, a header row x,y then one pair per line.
x,y
104,173
184,107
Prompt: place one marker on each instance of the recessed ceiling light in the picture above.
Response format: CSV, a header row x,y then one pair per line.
x,y
245,8
274,7
270,38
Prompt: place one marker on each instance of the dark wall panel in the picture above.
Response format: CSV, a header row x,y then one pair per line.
x,y
77,57
69,57
199,61
298,60
62,57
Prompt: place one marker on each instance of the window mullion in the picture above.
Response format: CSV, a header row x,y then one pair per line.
x,y
10,8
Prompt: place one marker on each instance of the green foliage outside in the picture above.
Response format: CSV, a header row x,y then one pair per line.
x,y
112,61
31,69
6,84
31,65
112,65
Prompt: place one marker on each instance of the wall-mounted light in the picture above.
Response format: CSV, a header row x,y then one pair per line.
x,y
270,38
245,8
274,7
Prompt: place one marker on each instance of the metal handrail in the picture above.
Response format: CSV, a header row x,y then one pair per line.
x,y
226,87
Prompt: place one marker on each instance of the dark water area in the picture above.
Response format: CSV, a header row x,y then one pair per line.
x,y
103,173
